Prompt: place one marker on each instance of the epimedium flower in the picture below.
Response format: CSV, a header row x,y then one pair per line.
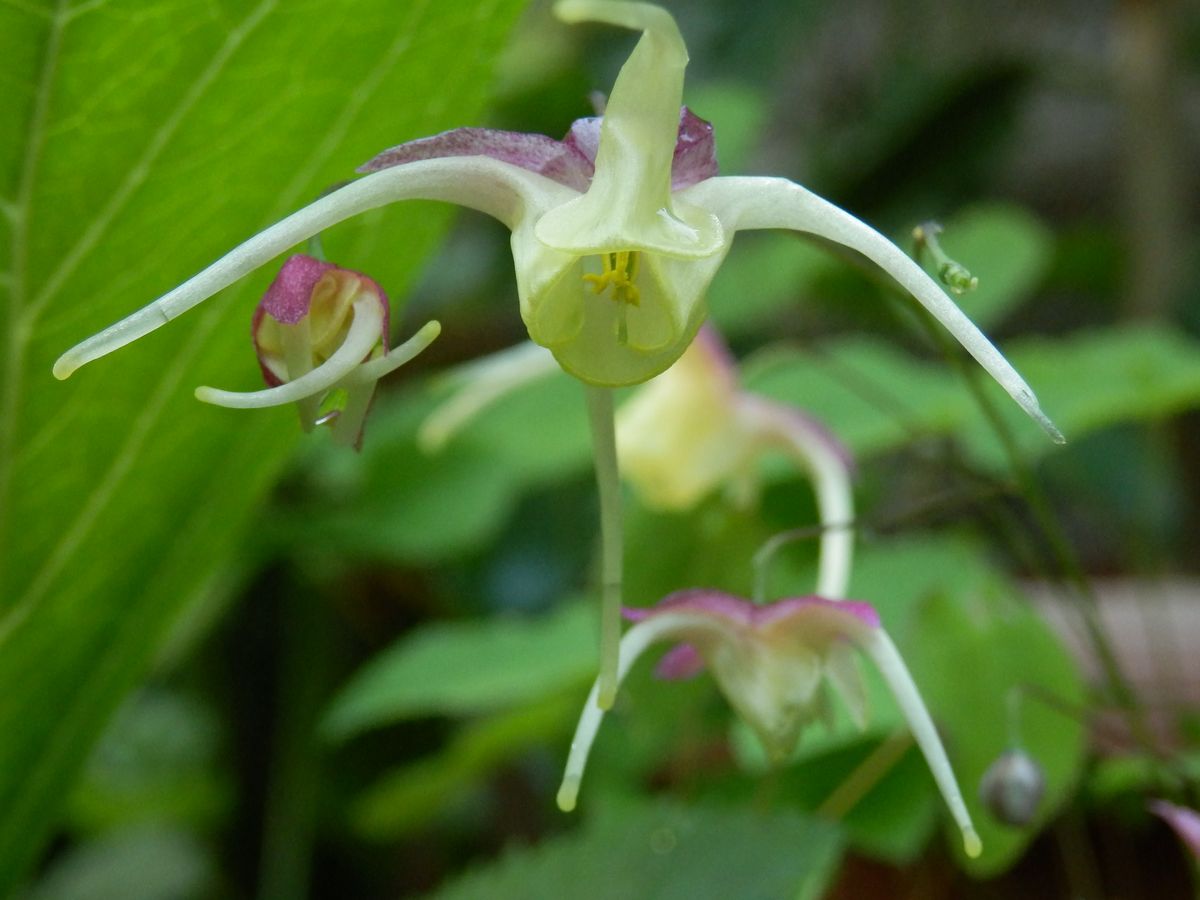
x,y
775,664
321,336
693,429
617,232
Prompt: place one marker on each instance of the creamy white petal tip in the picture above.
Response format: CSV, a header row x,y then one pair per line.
x,y
972,845
568,793
374,369
1043,420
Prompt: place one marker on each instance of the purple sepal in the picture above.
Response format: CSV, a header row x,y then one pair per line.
x,y
743,612
681,662
556,160
695,151
570,162
290,294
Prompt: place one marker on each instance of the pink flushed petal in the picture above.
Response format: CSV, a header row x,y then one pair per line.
x,y
695,149
743,612
794,607
557,160
681,662
716,603
288,298
1184,822
570,162
695,152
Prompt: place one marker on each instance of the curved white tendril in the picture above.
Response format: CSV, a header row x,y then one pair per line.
x,y
830,471
637,639
361,338
876,644
374,369
757,202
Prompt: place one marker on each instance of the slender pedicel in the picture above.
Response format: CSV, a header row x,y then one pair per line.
x,y
604,446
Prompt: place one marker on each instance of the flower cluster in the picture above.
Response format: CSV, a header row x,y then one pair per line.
x,y
617,231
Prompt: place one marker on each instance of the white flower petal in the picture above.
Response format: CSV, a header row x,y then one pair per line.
x,y
501,190
659,627
749,203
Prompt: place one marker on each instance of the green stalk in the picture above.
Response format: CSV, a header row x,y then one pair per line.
x,y
608,483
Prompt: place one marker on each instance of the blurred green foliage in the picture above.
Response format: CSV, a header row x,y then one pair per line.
x,y
366,685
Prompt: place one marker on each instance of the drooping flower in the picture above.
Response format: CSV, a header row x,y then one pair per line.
x,y
693,429
772,663
321,335
616,231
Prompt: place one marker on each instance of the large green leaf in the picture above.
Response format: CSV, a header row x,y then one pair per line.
x,y
435,788
668,852
153,862
139,139
460,668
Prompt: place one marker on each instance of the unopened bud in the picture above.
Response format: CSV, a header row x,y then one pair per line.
x,y
1012,788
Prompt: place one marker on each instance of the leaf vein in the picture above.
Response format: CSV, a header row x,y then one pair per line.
x,y
93,504
140,171
17,337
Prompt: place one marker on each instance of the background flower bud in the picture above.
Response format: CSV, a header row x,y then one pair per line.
x,y
1012,788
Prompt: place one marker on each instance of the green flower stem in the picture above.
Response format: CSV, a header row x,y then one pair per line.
x,y
765,556
608,483
315,248
866,775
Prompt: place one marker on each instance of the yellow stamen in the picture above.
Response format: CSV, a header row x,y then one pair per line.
x,y
618,271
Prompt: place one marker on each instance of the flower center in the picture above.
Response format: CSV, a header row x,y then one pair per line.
x,y
619,273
